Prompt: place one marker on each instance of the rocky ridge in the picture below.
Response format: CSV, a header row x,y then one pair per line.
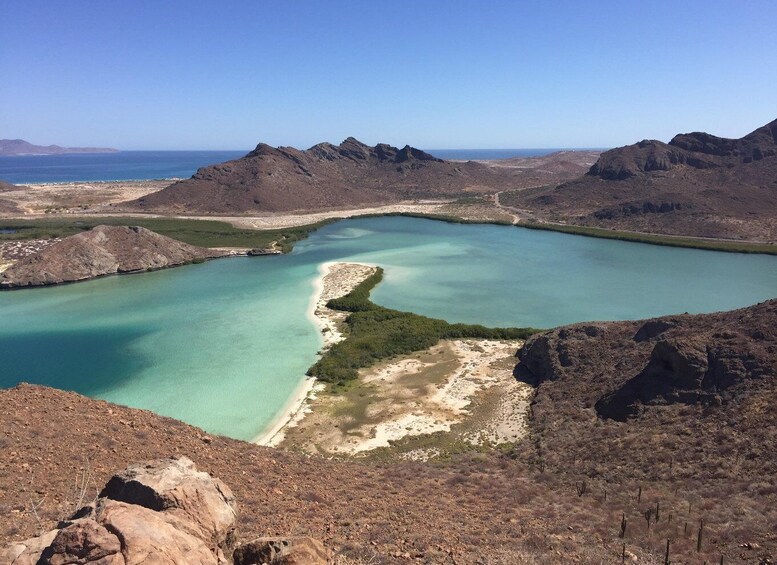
x,y
697,184
325,176
103,250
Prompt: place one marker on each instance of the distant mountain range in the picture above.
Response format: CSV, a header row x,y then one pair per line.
x,y
697,184
11,147
270,179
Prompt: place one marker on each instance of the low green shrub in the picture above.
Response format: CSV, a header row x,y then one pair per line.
x,y
376,333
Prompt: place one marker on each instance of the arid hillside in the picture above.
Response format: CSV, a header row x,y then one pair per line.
x,y
351,174
681,403
697,184
640,432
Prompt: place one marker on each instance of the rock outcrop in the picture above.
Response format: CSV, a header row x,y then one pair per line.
x,y
697,184
697,386
270,179
704,359
282,551
160,512
205,506
103,250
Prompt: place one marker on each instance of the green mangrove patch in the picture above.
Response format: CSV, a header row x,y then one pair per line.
x,y
655,239
204,233
375,333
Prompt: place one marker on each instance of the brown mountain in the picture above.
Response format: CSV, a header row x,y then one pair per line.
x,y
103,250
272,179
697,184
10,147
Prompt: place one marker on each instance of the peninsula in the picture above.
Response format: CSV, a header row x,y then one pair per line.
x,y
13,147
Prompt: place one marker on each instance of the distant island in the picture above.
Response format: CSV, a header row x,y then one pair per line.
x,y
13,147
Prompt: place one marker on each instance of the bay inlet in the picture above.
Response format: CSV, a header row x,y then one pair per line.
x,y
225,345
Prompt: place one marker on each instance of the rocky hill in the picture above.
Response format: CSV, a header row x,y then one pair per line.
x,y
681,403
10,147
103,250
697,184
325,176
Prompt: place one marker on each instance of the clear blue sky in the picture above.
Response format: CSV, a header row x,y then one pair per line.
x,y
480,74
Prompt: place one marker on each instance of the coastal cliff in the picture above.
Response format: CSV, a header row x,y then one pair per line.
x,y
103,250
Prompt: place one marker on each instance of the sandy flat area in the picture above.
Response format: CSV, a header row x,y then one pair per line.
x,y
466,384
422,405
79,197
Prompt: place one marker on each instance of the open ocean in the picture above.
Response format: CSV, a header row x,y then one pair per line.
x,y
145,165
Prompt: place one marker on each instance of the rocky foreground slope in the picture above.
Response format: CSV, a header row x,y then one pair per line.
x,y
351,174
103,250
640,432
697,184
163,511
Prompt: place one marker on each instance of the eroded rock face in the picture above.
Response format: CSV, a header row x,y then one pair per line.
x,y
282,551
162,512
103,250
685,359
205,506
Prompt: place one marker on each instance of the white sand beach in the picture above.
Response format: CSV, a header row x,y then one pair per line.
x,y
334,280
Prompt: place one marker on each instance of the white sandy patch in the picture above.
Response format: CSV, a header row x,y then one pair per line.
x,y
334,280
450,402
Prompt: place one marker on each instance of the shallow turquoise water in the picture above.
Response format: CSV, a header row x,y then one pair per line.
x,y
224,345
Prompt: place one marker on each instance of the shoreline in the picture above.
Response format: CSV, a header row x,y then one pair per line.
x,y
326,322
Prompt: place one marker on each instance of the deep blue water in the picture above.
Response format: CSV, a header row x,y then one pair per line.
x,y
144,165
125,165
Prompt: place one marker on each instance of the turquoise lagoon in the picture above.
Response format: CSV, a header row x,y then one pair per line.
x,y
224,345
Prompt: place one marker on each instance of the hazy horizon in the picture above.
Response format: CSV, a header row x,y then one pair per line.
x,y
457,74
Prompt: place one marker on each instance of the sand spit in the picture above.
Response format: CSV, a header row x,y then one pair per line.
x,y
334,280
464,383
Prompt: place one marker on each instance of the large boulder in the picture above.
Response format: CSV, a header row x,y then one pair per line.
x,y
162,512
204,506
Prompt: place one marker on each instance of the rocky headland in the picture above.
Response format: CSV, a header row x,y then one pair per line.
x,y
698,184
11,147
103,250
